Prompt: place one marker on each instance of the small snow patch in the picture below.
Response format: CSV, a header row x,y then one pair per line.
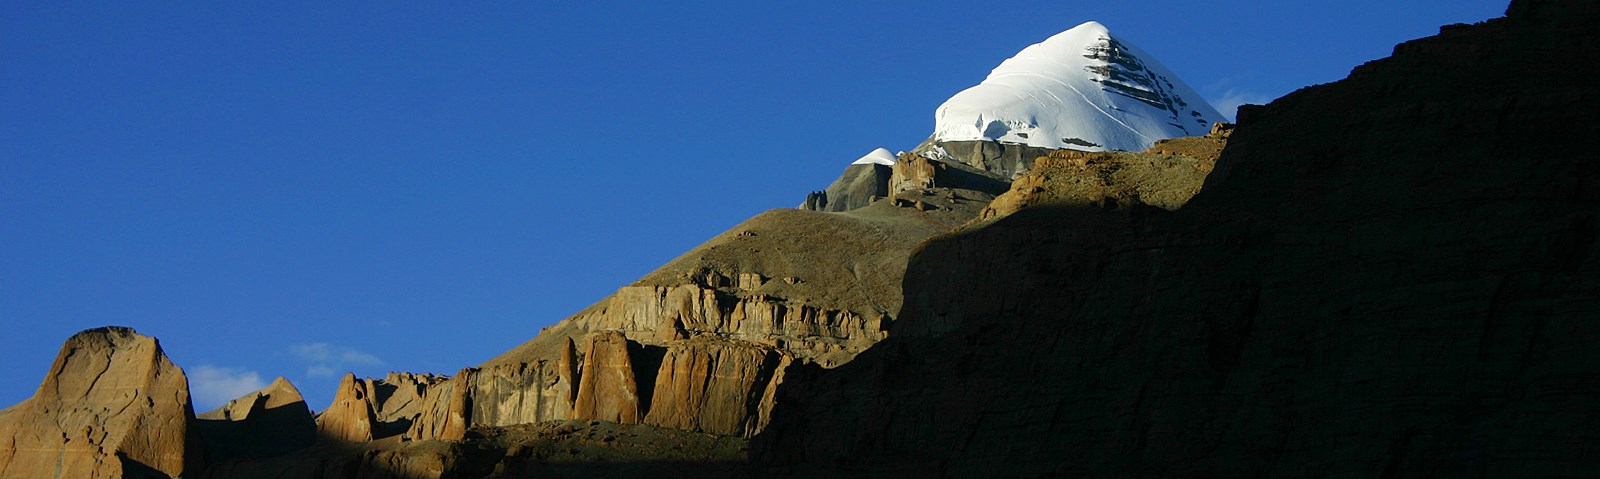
x,y
879,156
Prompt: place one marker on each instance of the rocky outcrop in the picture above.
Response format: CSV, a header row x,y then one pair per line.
x,y
443,411
714,385
913,175
1206,148
1165,176
112,406
269,422
398,400
498,395
609,390
858,186
825,335
351,416
1004,160
1393,275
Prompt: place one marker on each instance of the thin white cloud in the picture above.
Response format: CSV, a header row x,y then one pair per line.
x,y
324,352
311,352
325,360
358,357
1228,103
212,386
320,371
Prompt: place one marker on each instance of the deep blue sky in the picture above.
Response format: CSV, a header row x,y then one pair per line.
x,y
303,190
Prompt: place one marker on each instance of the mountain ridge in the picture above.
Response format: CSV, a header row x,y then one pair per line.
x,y
1386,275
1394,275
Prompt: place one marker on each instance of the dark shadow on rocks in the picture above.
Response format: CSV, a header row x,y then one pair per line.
x,y
262,433
646,362
575,448
382,430
132,469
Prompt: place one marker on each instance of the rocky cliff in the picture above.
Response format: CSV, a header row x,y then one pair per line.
x,y
1393,275
112,406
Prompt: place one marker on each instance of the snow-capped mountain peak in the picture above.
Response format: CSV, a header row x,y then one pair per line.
x,y
1082,89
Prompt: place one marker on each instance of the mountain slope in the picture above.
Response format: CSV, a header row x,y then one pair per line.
x,y
1394,275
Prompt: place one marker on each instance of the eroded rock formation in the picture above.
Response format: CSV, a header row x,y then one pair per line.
x,y
112,406
715,385
609,390
351,416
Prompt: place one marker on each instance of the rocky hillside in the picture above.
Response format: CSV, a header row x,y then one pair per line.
x,y
1394,275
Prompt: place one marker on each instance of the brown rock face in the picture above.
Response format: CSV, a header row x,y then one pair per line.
x,y
914,174
1004,160
272,421
399,399
1109,179
713,385
608,390
494,395
458,410
351,416
1394,275
112,406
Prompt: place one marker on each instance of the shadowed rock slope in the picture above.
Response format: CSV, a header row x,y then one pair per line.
x,y
272,421
1394,275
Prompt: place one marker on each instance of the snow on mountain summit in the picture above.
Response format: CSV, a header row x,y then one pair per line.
x,y
1081,89
879,156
